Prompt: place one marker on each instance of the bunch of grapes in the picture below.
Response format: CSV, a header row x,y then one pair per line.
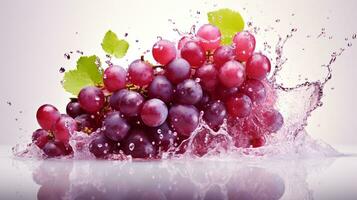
x,y
150,108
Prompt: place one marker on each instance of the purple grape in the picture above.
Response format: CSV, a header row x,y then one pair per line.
x,y
208,76
140,73
116,128
188,92
203,102
163,136
154,112
138,145
184,119
114,100
130,104
100,146
40,137
114,78
86,123
178,70
52,150
74,109
255,90
214,114
91,99
161,88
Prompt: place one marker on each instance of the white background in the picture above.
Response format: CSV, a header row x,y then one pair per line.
x,y
34,35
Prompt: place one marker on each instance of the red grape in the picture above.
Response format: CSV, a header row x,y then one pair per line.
x,y
257,141
272,120
232,74
183,41
164,51
258,66
209,37
178,70
184,119
188,92
244,45
47,115
40,137
138,145
114,78
193,53
214,114
161,88
91,99
100,146
64,128
131,103
255,90
208,76
222,55
74,109
140,73
239,105
154,112
115,127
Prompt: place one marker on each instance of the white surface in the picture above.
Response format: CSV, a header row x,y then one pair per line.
x,y
328,178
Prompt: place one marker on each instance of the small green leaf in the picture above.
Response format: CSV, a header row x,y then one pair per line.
x,y
228,21
86,74
114,46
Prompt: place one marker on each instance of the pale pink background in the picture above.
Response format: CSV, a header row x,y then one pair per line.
x,y
35,34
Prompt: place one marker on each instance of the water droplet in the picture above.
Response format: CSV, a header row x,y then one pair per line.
x,y
100,145
126,35
62,70
161,136
349,44
9,103
277,20
131,146
67,56
354,36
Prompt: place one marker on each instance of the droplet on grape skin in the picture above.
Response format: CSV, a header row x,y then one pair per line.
x,y
239,105
91,99
140,73
114,78
178,70
209,37
232,74
244,45
222,55
258,66
164,51
64,128
161,88
163,136
100,146
188,92
194,54
255,90
138,145
40,137
47,115
184,119
208,76
154,112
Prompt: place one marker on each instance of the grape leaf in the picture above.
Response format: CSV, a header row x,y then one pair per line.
x,y
114,46
228,21
86,74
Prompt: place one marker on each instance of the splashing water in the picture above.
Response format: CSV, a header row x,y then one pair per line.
x,y
291,140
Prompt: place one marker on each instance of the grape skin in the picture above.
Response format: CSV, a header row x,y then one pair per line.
x,y
239,105
232,74
244,45
91,99
74,109
114,100
188,92
184,119
140,73
86,123
178,70
258,66
64,128
161,88
214,114
138,145
255,90
209,37
100,146
193,53
164,51
114,78
40,137
116,128
47,115
163,137
222,55
208,76
131,103
154,112
52,150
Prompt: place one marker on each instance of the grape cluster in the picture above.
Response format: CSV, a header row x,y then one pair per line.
x,y
151,108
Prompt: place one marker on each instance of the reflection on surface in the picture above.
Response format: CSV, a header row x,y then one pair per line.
x,y
156,180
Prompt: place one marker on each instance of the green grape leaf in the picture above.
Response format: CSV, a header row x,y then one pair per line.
x,y
86,74
114,46
228,21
